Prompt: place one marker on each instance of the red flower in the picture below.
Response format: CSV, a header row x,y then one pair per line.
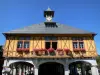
x,y
82,49
43,49
36,50
51,49
66,50
26,49
76,49
19,49
59,49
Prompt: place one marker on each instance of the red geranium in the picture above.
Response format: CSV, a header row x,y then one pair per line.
x,y
36,50
82,49
51,49
59,49
66,50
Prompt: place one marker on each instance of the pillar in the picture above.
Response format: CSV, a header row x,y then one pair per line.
x,y
5,64
83,69
66,70
14,70
36,71
94,70
20,70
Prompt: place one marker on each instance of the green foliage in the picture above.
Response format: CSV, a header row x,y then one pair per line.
x,y
98,60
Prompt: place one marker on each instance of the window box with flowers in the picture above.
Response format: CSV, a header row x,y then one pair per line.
x,y
19,49
51,51
37,51
67,51
43,51
76,49
82,50
26,49
60,51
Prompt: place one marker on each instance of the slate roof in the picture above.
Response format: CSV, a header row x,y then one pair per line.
x,y
43,29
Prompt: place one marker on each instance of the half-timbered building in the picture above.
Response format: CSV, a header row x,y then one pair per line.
x,y
49,48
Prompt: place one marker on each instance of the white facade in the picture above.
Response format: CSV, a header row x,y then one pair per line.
x,y
38,61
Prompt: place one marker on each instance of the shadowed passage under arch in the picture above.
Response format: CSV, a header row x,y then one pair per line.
x,y
51,68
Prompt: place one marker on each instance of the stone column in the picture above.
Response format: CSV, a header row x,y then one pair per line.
x,y
66,70
36,71
5,64
20,70
94,70
14,70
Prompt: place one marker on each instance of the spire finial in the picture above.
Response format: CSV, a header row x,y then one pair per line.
x,y
49,9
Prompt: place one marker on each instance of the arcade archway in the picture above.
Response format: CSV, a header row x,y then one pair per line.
x,y
80,68
51,68
21,68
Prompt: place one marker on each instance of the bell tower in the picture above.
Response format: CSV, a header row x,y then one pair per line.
x,y
48,14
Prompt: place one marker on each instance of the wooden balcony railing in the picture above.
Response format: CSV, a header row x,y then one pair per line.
x,y
48,54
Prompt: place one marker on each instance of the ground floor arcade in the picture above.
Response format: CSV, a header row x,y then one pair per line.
x,y
50,66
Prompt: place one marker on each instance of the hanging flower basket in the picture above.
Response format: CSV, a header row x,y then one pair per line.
x,y
51,49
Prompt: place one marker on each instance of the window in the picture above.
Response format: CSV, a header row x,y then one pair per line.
x,y
50,42
20,44
81,44
23,42
75,45
26,44
78,43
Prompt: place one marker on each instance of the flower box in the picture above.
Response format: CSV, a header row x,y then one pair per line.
x,y
36,50
59,49
39,51
19,49
66,50
51,49
76,49
26,49
82,49
43,51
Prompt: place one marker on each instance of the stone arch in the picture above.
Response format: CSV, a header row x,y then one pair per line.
x,y
49,68
80,61
21,67
80,67
60,62
14,61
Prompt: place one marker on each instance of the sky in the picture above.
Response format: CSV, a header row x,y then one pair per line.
x,y
82,14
